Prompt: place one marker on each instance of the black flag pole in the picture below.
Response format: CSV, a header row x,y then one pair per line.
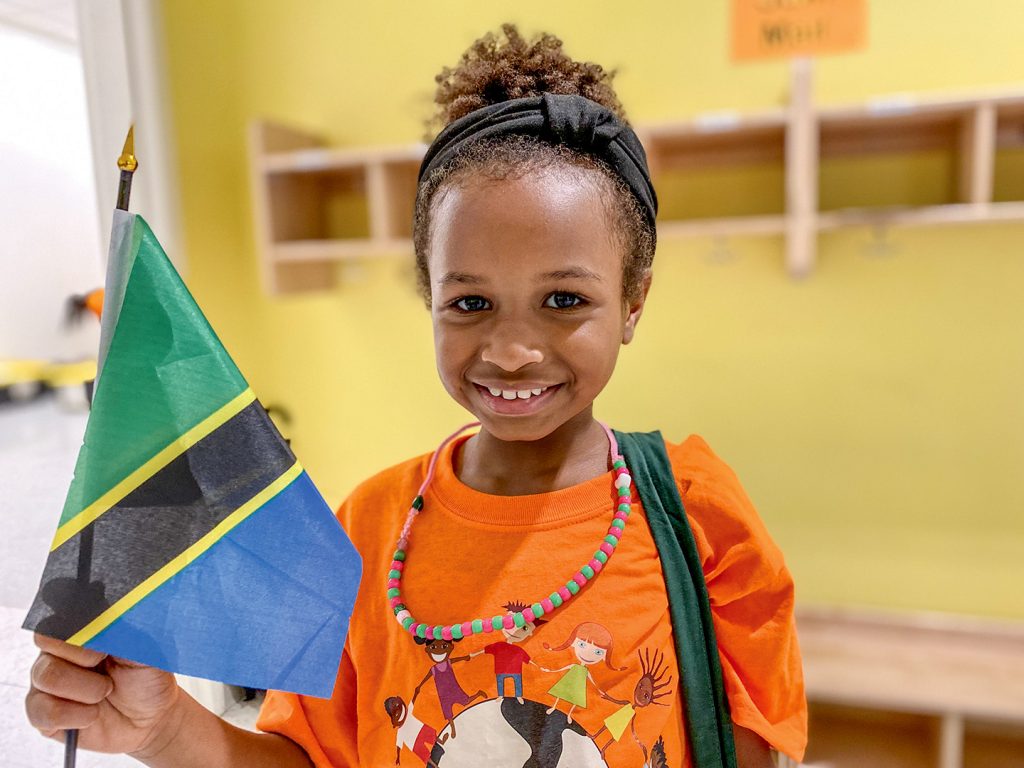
x,y
127,165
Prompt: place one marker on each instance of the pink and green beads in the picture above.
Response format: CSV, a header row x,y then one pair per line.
x,y
510,620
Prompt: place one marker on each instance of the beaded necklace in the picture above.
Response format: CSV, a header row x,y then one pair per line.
x,y
540,608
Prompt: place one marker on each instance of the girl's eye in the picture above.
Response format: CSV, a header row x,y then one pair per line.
x,y
599,651
471,304
563,300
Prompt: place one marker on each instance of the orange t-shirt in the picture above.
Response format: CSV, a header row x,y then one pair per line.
x,y
578,689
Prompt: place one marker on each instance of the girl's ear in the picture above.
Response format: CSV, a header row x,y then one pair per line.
x,y
636,308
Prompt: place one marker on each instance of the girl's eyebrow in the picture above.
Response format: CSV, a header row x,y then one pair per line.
x,y
461,278
581,273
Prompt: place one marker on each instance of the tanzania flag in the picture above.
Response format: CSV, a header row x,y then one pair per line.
x,y
191,538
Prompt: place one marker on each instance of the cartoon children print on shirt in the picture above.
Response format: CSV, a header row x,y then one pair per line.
x,y
411,733
449,692
509,656
591,643
649,688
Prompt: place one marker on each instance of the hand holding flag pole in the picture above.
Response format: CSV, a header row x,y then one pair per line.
x,y
127,163
191,540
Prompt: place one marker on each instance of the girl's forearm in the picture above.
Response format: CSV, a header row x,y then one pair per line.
x,y
193,735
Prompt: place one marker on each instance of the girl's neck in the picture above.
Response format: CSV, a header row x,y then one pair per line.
x,y
574,453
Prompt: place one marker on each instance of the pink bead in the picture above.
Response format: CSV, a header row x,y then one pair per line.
x,y
488,627
395,601
394,583
607,548
467,628
402,615
446,633
616,532
397,565
625,500
413,627
429,633
596,564
508,622
580,579
564,593
620,515
547,605
528,615
621,471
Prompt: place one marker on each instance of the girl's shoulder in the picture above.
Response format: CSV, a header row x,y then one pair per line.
x,y
388,494
718,508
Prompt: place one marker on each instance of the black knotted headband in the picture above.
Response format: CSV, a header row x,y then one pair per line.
x,y
568,119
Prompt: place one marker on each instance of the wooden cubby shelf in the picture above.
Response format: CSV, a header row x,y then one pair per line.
x,y
892,690
316,206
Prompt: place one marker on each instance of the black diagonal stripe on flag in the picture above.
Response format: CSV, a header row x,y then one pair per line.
x,y
161,518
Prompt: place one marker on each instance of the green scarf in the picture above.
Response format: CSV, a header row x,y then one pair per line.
x,y
707,709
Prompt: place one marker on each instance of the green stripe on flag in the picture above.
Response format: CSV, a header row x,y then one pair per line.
x,y
164,372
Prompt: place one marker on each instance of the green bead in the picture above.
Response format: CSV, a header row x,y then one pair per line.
x,y
617,523
418,502
538,610
497,622
393,574
437,632
601,556
518,620
555,598
587,571
399,555
456,631
478,626
625,508
611,540
394,592
399,608
408,621
618,464
421,631
572,586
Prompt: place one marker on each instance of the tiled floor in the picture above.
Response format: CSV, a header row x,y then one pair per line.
x,y
38,446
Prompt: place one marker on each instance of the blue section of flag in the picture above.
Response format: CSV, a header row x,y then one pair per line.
x,y
267,606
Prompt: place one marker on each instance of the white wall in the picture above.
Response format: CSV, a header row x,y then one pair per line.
x,y
49,239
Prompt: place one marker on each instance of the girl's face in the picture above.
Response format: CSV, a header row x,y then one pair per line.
x,y
587,652
526,285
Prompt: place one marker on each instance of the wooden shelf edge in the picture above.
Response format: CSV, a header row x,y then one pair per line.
x,y
953,213
300,251
323,160
730,226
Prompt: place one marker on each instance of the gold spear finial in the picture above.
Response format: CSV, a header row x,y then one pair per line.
x,y
127,161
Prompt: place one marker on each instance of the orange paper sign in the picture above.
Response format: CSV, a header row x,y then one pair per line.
x,y
769,29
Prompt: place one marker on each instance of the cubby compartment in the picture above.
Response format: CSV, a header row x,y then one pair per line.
x,y
892,154
993,745
854,737
1008,181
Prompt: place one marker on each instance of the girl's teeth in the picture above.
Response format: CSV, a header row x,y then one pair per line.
x,y
514,394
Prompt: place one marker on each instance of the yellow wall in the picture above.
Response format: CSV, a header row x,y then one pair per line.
x,y
874,410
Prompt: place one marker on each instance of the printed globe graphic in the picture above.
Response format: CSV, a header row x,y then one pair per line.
x,y
504,733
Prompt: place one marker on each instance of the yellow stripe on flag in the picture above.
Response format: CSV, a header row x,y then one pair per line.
x,y
177,447
173,566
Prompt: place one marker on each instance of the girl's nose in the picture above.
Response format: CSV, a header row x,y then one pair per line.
x,y
512,346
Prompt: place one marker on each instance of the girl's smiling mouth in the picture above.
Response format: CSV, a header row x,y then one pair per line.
x,y
515,401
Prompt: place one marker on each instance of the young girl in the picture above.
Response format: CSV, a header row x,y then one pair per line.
x,y
534,235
